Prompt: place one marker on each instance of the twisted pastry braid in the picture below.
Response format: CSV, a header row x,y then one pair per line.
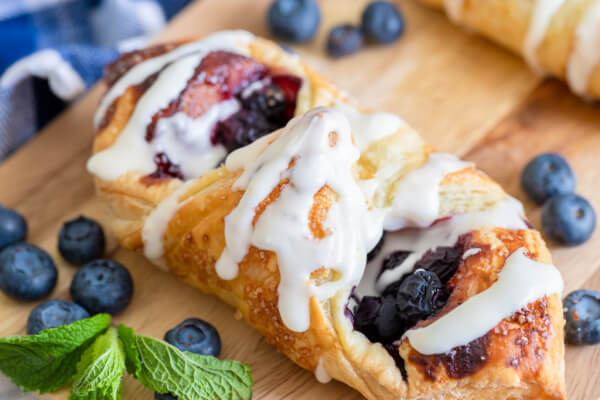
x,y
521,357
556,37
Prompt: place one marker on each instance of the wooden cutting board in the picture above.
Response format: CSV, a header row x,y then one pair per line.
x,y
464,94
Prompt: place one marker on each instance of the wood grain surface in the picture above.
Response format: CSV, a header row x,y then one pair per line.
x,y
464,94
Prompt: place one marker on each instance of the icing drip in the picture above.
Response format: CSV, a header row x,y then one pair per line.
x,y
521,281
454,9
369,127
156,224
508,214
229,40
421,207
542,14
321,373
586,52
314,151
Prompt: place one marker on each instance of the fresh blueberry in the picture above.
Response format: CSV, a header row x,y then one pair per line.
x,y
568,219
582,314
13,227
344,40
197,336
547,175
382,22
54,313
26,272
158,396
102,286
81,240
294,20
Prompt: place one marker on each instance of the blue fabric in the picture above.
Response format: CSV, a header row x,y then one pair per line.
x,y
84,34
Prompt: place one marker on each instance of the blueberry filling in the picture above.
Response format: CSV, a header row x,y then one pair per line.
x,y
267,101
415,297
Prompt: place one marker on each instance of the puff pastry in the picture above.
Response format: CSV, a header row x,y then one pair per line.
x,y
282,229
556,37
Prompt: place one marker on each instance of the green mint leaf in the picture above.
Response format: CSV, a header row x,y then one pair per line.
x,y
127,336
166,369
47,361
100,370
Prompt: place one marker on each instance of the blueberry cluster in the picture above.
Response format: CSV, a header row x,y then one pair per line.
x,y
28,273
567,218
298,21
418,296
415,297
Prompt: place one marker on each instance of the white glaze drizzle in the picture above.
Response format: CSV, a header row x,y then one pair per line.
x,y
284,226
368,127
187,142
471,252
226,40
321,373
586,52
454,9
416,196
521,281
508,214
156,223
543,11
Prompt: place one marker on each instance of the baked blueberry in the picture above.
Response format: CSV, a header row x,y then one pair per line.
x,y
582,315
568,219
365,315
389,323
13,227
382,22
242,128
419,296
26,272
270,101
294,20
81,240
344,40
547,175
196,336
443,260
54,313
102,286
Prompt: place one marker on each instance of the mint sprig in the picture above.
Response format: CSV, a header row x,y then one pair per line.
x,y
165,369
93,356
47,361
100,370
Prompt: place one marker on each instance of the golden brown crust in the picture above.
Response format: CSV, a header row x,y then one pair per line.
x,y
507,22
194,239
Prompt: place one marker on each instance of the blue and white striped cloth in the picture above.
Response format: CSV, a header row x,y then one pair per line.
x,y
53,50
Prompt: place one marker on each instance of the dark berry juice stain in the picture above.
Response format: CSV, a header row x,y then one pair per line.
x,y
460,362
